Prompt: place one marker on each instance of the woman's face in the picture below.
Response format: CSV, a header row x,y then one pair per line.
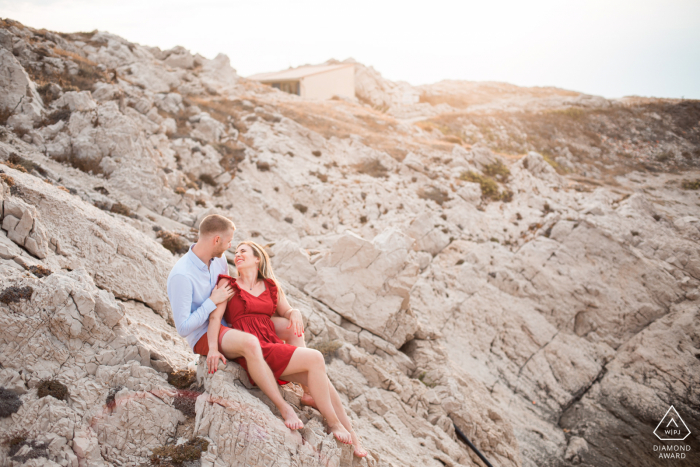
x,y
244,257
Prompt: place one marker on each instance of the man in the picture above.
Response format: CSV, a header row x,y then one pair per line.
x,y
194,295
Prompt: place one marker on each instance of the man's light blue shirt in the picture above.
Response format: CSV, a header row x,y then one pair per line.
x,y
189,286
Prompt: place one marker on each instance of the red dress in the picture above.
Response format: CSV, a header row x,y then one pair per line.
x,y
252,314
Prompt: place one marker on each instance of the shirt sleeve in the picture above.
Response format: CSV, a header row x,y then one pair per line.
x,y
180,295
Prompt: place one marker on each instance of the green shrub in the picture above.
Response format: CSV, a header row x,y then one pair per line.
x,y
489,187
497,170
691,184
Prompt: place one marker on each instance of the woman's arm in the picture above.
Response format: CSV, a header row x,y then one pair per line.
x,y
213,329
285,310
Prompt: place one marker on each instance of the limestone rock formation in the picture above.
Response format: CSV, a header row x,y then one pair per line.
x,y
521,263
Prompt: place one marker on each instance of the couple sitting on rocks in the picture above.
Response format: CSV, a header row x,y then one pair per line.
x,y
249,319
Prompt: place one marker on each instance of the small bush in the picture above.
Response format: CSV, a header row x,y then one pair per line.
x,y
121,209
489,187
301,208
37,449
498,170
110,401
102,190
40,271
14,166
180,190
327,348
201,202
5,114
363,219
262,166
15,294
316,153
373,168
177,455
208,179
9,402
56,116
321,176
182,379
185,402
173,242
53,388
7,179
289,220
27,164
434,194
691,184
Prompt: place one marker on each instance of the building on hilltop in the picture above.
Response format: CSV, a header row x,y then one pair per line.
x,y
313,81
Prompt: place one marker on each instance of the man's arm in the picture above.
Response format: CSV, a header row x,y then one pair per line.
x,y
180,295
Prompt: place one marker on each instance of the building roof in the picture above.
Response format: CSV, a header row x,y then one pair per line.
x,y
294,74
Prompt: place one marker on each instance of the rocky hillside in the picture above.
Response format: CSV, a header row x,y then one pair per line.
x,y
521,263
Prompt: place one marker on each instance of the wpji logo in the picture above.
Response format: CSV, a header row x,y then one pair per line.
x,y
672,428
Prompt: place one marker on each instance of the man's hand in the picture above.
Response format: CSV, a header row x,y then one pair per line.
x,y
221,293
295,322
213,360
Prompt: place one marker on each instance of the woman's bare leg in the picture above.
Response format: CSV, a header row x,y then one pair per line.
x,y
308,367
285,332
241,344
359,451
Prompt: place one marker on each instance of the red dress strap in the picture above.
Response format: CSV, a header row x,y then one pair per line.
x,y
226,276
272,287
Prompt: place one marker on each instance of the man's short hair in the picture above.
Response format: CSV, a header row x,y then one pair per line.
x,y
215,224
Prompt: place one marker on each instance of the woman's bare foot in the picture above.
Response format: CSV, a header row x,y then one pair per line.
x,y
307,399
340,433
359,451
290,418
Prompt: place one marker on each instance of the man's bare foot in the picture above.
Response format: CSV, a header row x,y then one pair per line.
x,y
290,418
359,451
307,399
340,433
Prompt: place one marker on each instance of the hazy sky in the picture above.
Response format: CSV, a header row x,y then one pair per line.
x,y
606,47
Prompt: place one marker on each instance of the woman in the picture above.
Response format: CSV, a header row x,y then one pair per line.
x,y
257,299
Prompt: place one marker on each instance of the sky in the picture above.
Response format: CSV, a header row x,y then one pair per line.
x,y
611,48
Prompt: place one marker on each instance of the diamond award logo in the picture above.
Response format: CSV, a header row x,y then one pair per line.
x,y
672,427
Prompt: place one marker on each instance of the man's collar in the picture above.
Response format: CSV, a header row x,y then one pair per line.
x,y
195,259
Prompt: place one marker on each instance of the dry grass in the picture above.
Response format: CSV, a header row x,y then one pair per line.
x,y
5,114
28,165
177,455
208,179
14,294
174,243
7,179
88,73
373,168
489,187
182,379
321,176
63,113
434,193
691,184
497,170
53,388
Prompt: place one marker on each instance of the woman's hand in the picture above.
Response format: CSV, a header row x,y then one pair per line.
x,y
295,322
213,360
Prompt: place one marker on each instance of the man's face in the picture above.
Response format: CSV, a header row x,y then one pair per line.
x,y
223,242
